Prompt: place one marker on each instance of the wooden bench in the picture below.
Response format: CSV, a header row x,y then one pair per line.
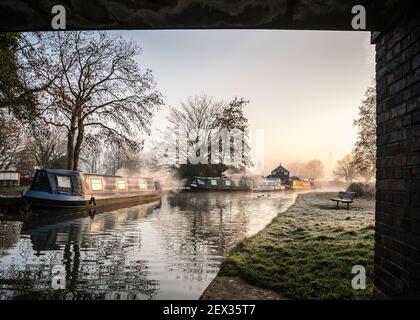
x,y
345,197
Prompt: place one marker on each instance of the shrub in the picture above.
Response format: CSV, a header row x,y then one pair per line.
x,y
362,189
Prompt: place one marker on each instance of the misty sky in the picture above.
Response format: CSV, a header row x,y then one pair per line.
x,y
304,87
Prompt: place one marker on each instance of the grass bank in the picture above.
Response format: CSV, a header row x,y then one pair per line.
x,y
308,251
11,190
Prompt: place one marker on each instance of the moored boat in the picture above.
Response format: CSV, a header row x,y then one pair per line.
x,y
297,183
220,184
67,189
269,185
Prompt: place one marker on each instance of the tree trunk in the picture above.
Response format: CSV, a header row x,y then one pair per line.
x,y
70,150
70,142
78,146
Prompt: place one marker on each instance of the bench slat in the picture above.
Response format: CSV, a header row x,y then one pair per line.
x,y
342,200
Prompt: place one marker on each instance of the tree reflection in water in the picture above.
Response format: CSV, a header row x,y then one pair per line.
x,y
152,251
96,256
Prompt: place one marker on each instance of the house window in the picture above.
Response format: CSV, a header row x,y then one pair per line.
x,y
96,184
227,182
213,182
143,185
121,185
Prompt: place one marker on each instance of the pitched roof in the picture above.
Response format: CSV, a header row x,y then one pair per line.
x,y
280,166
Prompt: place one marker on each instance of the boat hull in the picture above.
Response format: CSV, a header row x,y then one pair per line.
x,y
219,184
217,188
268,189
38,204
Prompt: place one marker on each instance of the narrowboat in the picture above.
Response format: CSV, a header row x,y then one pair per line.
x,y
269,185
297,183
220,184
67,189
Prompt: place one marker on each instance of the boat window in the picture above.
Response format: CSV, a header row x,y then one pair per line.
x,y
96,184
121,185
227,182
64,184
213,182
143,185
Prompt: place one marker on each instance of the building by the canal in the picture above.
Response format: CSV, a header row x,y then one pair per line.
x,y
279,172
9,178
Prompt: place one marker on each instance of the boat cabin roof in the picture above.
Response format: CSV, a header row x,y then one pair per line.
x,y
61,171
208,178
76,173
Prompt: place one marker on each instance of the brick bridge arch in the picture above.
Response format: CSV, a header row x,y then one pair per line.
x,y
397,217
397,247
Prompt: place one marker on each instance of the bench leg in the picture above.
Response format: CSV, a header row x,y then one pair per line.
x,y
337,204
348,205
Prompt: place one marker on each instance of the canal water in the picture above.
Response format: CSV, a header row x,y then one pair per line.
x,y
170,249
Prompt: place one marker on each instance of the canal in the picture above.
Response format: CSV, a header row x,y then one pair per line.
x,y
170,249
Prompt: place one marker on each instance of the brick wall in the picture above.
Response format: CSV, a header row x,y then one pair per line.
x,y
397,248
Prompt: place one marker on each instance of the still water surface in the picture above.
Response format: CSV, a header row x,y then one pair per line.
x,y
164,250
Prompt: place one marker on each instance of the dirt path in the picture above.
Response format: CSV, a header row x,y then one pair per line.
x,y
234,288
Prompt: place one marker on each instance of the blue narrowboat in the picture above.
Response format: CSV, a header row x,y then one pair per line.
x,y
220,184
67,189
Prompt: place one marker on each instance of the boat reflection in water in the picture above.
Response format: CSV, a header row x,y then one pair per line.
x,y
161,250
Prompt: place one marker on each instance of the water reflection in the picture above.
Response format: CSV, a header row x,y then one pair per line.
x,y
165,250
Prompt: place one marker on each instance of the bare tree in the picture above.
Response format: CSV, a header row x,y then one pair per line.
x,y
364,152
232,120
314,169
296,168
346,169
91,84
48,145
11,140
91,154
189,125
25,147
201,126
117,156
25,161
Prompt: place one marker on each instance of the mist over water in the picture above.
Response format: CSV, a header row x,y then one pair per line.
x,y
166,177
166,250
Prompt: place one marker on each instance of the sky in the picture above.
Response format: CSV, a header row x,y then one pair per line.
x,y
304,87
